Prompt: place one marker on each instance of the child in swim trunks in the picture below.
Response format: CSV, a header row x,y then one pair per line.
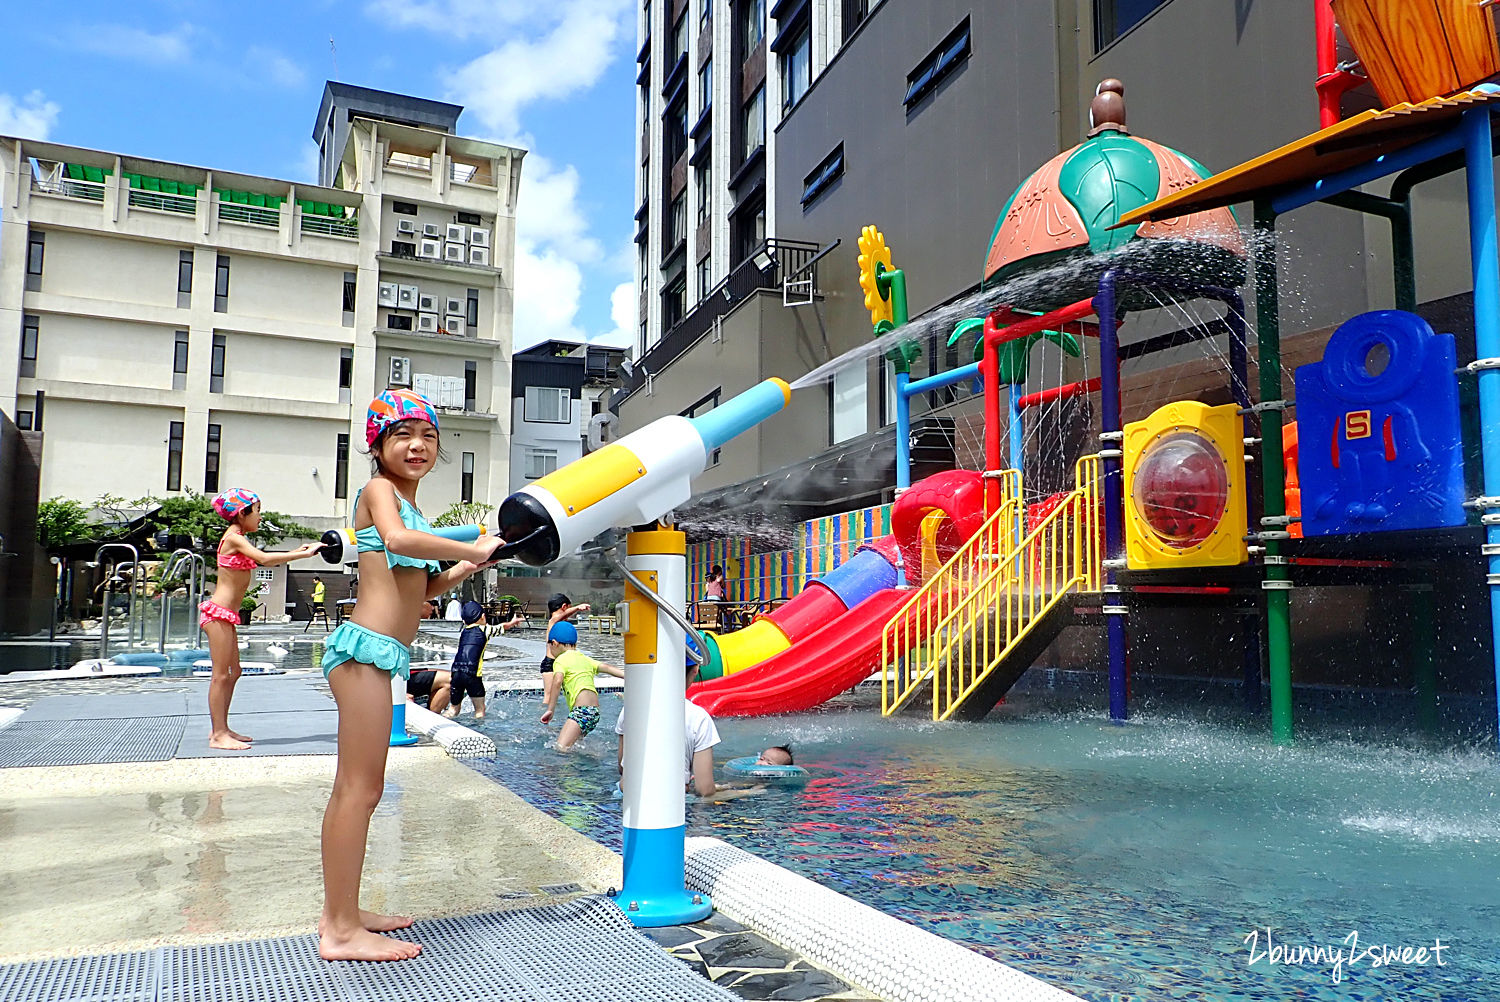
x,y
559,609
219,616
398,569
576,672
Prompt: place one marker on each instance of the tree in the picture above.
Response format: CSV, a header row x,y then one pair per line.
x,y
62,522
464,513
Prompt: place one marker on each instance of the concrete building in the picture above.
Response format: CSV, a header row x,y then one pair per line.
x,y
176,328
557,389
923,119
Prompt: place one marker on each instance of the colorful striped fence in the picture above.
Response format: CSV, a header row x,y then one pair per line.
x,y
822,544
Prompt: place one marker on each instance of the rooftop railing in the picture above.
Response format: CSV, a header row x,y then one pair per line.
x,y
329,227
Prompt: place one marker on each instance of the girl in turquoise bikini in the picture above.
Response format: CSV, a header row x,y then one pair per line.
x,y
398,570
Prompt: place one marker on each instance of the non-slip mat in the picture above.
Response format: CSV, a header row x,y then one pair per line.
x,y
289,733
89,742
583,950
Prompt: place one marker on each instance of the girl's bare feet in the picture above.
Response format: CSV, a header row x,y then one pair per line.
x,y
375,922
365,945
226,742
240,737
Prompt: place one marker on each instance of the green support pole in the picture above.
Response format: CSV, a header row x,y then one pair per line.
x,y
1273,475
1424,664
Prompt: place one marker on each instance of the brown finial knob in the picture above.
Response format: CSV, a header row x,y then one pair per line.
x,y
1107,109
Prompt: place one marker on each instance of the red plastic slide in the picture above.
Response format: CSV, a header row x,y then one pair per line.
x,y
837,656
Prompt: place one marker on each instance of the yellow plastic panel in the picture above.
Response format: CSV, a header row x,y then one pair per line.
x,y
1181,464
593,478
640,637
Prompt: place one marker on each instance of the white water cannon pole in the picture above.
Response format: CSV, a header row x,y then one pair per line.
x,y
399,737
655,822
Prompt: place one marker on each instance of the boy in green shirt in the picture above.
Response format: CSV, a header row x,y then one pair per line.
x,y
576,671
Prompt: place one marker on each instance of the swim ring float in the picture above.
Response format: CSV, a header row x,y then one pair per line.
x,y
748,767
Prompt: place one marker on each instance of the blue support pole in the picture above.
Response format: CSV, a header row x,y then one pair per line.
x,y
903,430
1344,180
1017,440
1479,167
1114,514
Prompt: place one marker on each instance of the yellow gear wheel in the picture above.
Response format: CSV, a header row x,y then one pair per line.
x,y
872,252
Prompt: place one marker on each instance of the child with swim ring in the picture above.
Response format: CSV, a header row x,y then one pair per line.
x,y
219,616
398,571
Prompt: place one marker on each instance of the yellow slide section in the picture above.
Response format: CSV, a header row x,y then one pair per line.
x,y
747,648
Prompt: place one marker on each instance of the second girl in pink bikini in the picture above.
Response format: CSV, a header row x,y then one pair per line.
x,y
238,557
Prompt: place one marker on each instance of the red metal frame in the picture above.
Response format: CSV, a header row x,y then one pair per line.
x,y
1332,83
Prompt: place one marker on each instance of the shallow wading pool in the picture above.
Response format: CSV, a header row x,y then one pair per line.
x,y
1140,862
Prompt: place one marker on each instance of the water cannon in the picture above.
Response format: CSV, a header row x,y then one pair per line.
x,y
339,544
634,480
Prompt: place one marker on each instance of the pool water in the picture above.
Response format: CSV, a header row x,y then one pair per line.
x,y
1118,863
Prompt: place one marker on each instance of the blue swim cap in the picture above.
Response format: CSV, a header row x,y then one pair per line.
x,y
471,611
564,633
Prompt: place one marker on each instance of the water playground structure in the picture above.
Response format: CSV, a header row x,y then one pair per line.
x,y
1367,483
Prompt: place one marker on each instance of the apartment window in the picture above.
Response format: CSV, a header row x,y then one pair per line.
x,y
184,279
676,225
404,208
702,407
674,135
211,460
796,64
674,302
678,42
747,229
706,86
472,314
31,333
174,456
855,12
36,247
755,122
341,468
752,24
823,176
346,374
471,386
640,336
646,20
23,420
466,479
351,281
939,64
547,405
468,218
848,408
180,360
398,322
216,364
539,462
221,285
703,183
1113,18
705,278
707,16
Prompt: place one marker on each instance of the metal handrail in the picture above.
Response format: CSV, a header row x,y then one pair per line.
x,y
135,561
911,631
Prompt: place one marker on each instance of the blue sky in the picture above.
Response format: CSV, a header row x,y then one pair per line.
x,y
236,86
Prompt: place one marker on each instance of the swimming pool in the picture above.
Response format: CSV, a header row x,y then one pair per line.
x,y
1119,863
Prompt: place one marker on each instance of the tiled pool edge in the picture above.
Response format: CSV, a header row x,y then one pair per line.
x,y
858,943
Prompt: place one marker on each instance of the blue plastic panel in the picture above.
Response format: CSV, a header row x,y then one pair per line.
x,y
1379,446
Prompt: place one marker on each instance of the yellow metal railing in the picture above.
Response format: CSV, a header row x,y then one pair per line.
x,y
978,618
912,629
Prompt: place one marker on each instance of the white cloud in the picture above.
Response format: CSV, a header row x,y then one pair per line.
x,y
32,117
133,43
271,65
452,18
624,303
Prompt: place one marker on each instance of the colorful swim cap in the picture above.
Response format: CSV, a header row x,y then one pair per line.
x,y
395,405
564,633
471,611
231,502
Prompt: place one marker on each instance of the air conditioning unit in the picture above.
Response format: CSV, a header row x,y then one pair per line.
x,y
455,305
387,296
479,256
427,323
406,226
400,371
430,247
432,230
406,297
454,252
427,302
479,237
457,233
455,324
452,392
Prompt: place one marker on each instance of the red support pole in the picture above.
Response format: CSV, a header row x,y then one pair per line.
x,y
1061,392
